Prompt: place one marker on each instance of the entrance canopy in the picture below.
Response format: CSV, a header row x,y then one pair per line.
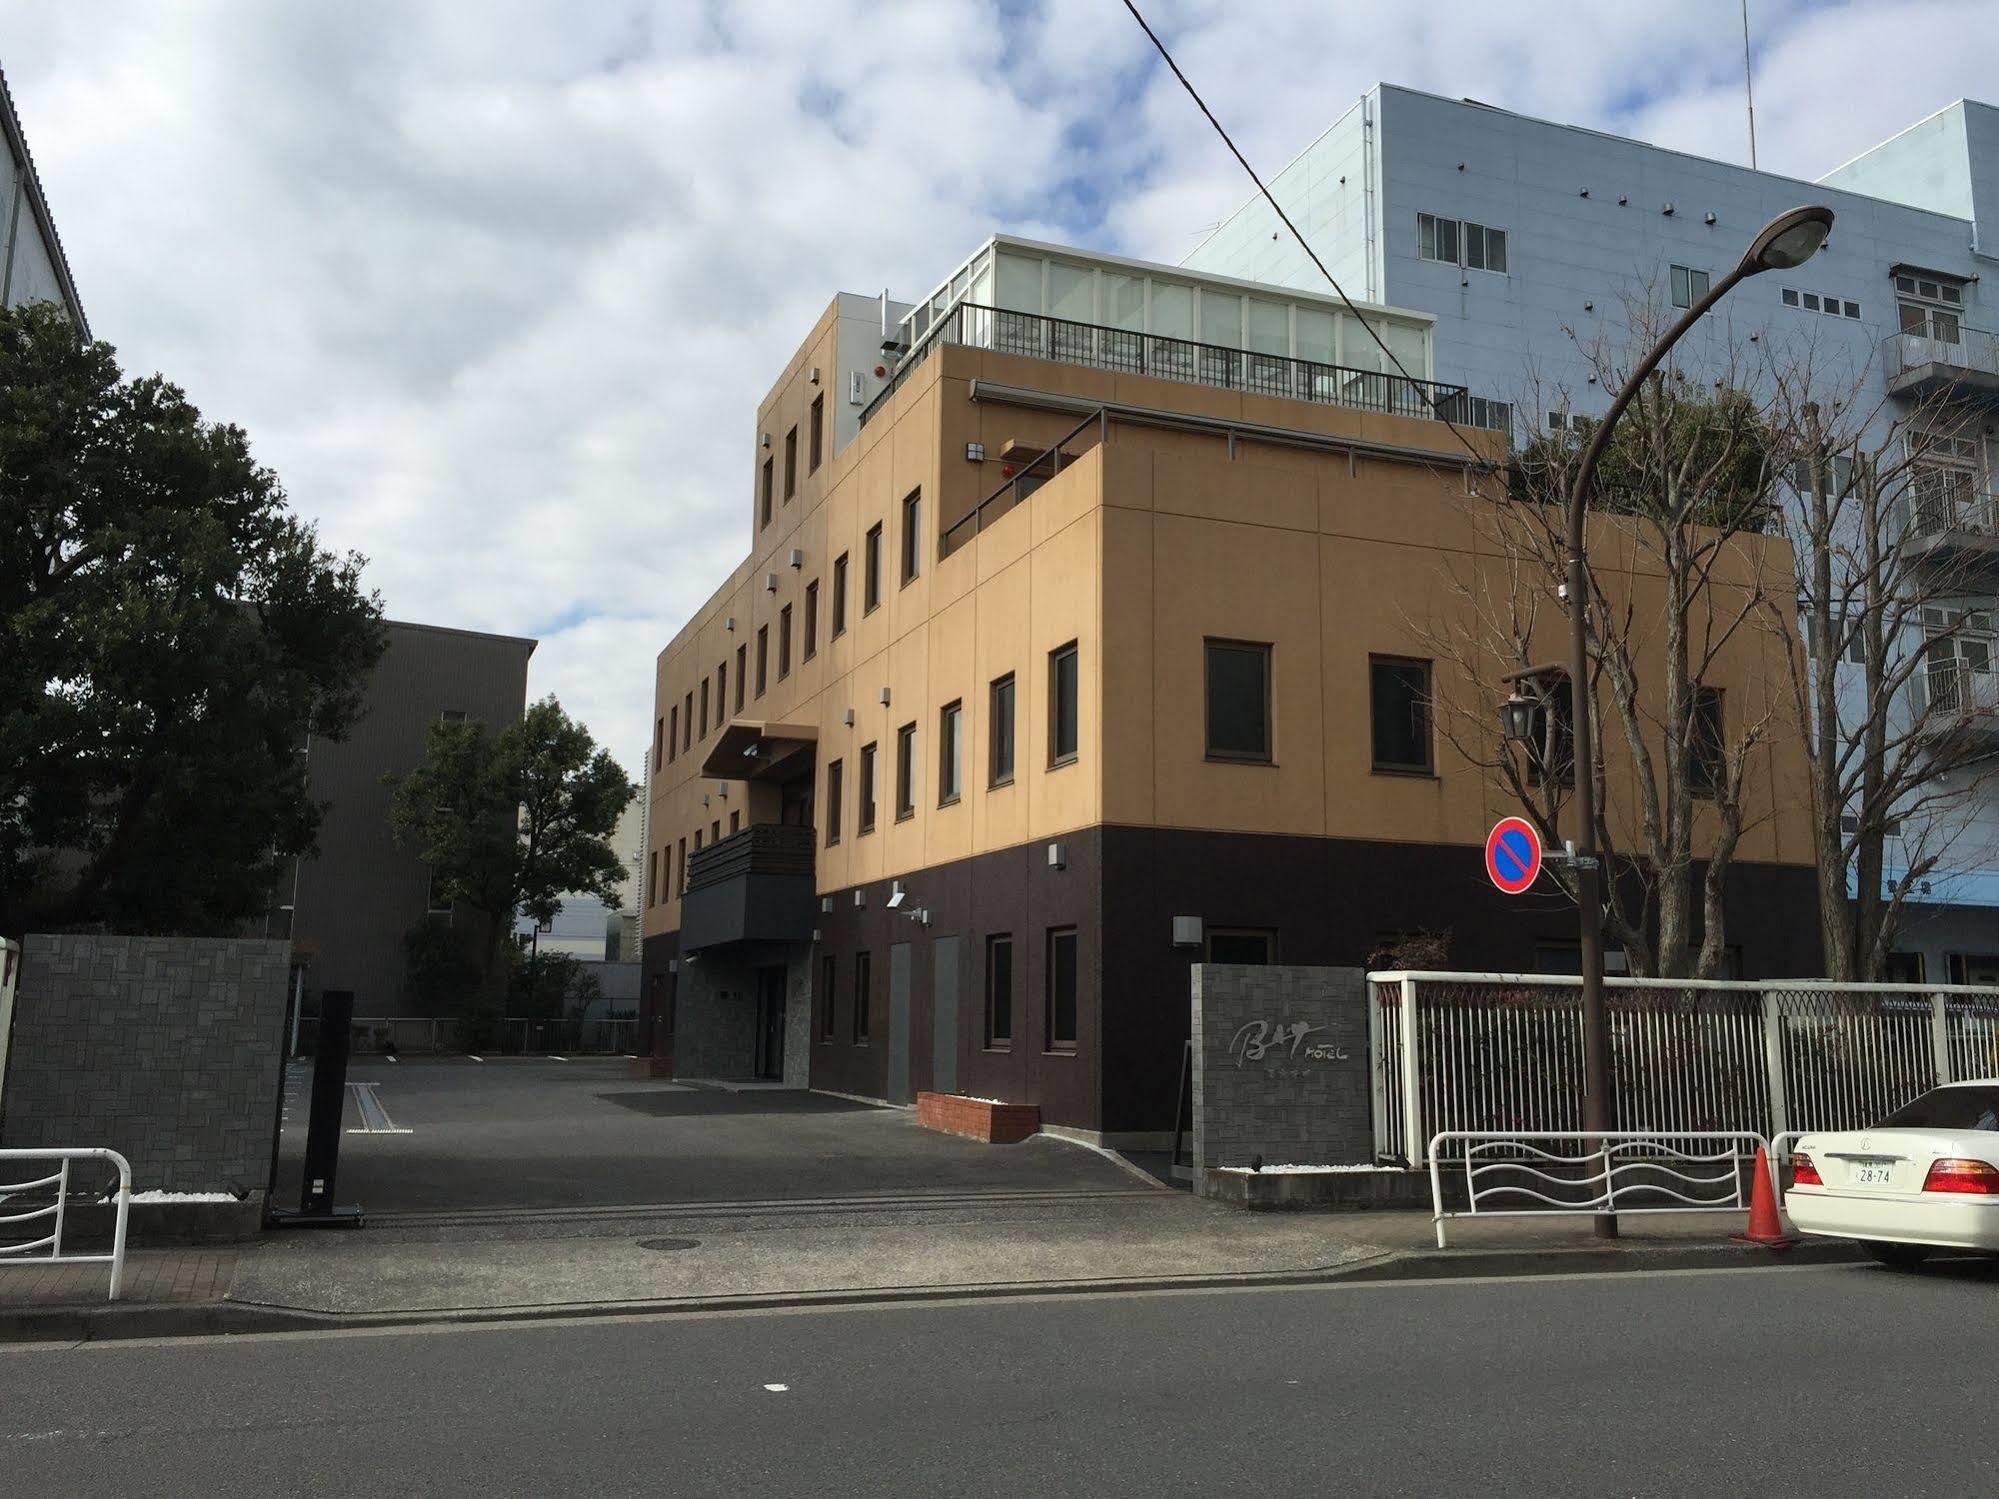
x,y
754,750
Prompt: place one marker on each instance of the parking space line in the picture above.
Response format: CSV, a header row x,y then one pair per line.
x,y
375,1119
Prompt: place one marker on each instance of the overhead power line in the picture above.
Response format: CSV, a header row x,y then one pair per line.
x,y
1193,93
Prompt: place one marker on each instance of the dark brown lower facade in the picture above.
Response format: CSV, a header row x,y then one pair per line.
x,y
1057,974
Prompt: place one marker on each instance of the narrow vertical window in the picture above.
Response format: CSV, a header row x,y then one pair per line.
x,y
742,674
1399,702
999,992
1238,699
829,976
1062,693
871,566
790,464
682,890
687,722
867,816
721,691
912,535
863,1000
811,619
835,787
784,642
1061,977
817,448
1707,761
840,596
672,734
999,755
905,772
950,753
768,486
704,709
652,879
763,658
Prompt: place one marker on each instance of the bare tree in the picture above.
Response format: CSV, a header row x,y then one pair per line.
x,y
1682,577
1895,679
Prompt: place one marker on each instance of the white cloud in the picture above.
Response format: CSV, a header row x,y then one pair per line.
x,y
496,289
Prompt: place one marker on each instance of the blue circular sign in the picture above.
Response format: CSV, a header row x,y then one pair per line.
x,y
1513,854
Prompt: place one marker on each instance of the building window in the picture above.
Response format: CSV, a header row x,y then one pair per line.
x,y
742,674
1238,697
735,822
652,879
763,658
862,998
790,464
811,619
768,485
829,975
817,448
1253,945
1689,285
999,754
950,753
1461,243
871,563
999,992
687,722
867,822
1061,976
697,840
682,890
1399,693
658,741
835,787
1831,306
784,642
1929,308
704,708
1062,690
452,715
1707,758
715,831
840,596
905,772
912,536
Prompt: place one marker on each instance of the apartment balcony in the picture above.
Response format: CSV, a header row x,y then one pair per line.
x,y
1958,700
1963,364
752,886
1955,529
974,325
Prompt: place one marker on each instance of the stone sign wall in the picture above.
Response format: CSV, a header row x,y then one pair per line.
x,y
1280,1066
165,1049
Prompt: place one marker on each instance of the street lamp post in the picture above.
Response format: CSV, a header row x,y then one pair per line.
x,y
1786,241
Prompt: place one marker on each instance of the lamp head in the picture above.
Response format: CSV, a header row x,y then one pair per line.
x,y
1516,718
1788,240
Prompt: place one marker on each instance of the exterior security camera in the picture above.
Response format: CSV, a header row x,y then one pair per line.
x,y
895,900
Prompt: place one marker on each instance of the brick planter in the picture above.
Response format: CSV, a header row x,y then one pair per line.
x,y
976,1119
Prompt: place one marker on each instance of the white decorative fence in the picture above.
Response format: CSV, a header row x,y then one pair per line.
x,y
39,1206
1502,1052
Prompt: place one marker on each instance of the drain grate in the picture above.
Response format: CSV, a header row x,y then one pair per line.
x,y
668,1244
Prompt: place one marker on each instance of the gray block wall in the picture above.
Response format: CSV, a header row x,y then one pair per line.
x,y
714,1020
1280,1066
165,1049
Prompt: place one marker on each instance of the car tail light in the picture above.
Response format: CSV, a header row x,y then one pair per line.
x,y
1804,1172
1975,1178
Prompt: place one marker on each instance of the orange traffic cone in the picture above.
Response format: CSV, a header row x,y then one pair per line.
x,y
1764,1226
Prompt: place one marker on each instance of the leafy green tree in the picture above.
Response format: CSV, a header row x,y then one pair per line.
x,y
551,986
510,823
170,635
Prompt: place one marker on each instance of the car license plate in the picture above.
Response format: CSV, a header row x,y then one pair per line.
x,y
1872,1173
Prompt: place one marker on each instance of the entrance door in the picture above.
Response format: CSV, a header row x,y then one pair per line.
x,y
898,1023
944,1018
770,1024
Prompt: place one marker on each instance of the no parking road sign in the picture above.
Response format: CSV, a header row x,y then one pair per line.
x,y
1513,854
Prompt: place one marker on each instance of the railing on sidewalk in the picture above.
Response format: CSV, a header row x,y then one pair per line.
x,y
1626,1171
48,1248
1483,1052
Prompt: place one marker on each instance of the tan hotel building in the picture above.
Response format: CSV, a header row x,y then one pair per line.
x,y
979,749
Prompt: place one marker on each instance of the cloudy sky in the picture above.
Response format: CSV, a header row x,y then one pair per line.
x,y
495,285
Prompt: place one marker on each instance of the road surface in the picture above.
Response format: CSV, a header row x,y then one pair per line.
x,y
1822,1381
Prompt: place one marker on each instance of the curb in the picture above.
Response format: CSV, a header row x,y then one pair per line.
x,y
110,1322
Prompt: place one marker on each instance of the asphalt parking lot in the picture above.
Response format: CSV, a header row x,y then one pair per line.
x,y
451,1134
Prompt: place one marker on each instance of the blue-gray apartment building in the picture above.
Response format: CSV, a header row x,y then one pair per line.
x,y
1525,238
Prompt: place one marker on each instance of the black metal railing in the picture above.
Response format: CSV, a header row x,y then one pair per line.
x,y
764,848
975,325
1024,479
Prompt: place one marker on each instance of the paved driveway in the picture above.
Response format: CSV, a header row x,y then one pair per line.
x,y
452,1134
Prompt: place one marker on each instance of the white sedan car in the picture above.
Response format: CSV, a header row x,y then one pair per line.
x,y
1926,1177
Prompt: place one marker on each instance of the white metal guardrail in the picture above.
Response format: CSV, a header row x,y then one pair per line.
x,y
1482,1052
48,1248
1622,1171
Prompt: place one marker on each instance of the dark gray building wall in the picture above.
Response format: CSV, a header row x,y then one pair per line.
x,y
1280,1066
357,897
165,1049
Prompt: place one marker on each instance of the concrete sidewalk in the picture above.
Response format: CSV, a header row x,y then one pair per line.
x,y
459,1267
